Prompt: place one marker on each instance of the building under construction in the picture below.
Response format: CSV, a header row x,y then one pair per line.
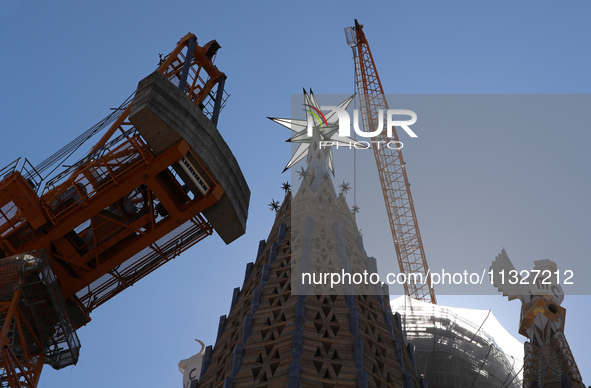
x,y
457,347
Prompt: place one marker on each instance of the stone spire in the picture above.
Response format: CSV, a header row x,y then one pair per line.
x,y
280,332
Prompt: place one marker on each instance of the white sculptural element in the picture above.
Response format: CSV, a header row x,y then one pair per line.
x,y
542,281
191,367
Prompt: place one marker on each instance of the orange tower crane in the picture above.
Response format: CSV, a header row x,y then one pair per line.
x,y
159,180
391,170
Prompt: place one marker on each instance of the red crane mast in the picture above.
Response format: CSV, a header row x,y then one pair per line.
x,y
392,171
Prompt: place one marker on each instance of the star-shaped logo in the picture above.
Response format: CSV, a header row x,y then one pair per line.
x,y
325,125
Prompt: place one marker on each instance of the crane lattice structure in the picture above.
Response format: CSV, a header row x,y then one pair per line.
x,y
159,180
391,169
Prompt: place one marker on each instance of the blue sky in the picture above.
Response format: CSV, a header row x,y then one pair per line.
x,y
64,64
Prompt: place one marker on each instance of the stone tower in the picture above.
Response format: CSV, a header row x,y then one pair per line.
x,y
548,360
280,333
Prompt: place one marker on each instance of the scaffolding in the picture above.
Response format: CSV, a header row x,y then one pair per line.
x,y
459,347
35,326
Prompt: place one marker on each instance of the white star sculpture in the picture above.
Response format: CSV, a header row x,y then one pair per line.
x,y
325,125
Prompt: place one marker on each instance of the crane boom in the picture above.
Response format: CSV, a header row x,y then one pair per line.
x,y
392,172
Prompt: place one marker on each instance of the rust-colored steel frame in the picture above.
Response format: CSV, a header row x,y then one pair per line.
x,y
392,172
77,265
24,369
105,179
155,256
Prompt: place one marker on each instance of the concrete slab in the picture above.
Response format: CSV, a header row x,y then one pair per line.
x,y
163,115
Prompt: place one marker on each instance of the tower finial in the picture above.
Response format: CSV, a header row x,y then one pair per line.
x,y
324,131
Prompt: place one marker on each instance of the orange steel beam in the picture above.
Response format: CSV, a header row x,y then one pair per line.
x,y
20,367
147,264
392,172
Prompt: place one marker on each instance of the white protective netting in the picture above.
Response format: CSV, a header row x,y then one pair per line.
x,y
459,347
